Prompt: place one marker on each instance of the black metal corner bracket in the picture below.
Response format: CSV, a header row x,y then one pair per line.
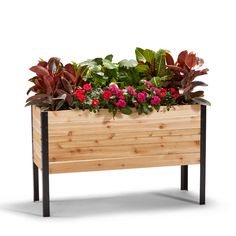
x,y
203,156
45,164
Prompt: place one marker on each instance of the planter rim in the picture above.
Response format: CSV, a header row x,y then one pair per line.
x,y
162,109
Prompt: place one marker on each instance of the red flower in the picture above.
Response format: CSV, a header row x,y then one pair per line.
x,y
95,102
87,87
106,94
173,90
121,103
162,92
79,94
176,95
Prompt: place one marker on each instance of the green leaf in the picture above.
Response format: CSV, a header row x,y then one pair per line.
x,y
140,109
149,55
126,110
109,57
146,110
157,81
98,60
139,52
201,101
109,65
128,63
142,68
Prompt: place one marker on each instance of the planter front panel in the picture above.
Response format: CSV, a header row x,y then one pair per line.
x,y
84,141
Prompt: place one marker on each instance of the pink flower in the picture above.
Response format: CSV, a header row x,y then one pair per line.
x,y
142,96
121,103
87,87
95,102
113,88
106,94
162,92
156,90
79,94
131,91
155,100
148,84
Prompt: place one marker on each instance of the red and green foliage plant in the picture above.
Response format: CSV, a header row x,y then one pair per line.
x,y
185,72
145,84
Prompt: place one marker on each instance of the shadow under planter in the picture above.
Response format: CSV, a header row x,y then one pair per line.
x,y
74,141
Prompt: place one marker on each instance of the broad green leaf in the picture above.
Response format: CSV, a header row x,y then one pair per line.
x,y
139,52
98,60
146,110
126,110
109,57
143,68
128,63
149,55
201,101
89,63
109,65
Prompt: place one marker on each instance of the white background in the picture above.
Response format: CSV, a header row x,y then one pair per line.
x,y
127,202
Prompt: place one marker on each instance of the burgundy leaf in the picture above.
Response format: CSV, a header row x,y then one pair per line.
x,y
48,86
169,59
67,85
190,60
70,68
198,83
53,65
42,63
37,96
176,69
70,76
197,94
181,58
199,72
40,71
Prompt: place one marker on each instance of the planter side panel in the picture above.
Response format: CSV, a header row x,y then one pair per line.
x,y
84,141
36,122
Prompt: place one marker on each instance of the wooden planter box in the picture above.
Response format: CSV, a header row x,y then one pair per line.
x,y
74,141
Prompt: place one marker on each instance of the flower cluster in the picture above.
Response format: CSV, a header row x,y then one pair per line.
x,y
144,98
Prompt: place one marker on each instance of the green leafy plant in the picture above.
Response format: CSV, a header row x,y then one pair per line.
x,y
150,81
152,66
185,72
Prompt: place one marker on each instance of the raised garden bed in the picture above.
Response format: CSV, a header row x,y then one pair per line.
x,y
74,141
101,115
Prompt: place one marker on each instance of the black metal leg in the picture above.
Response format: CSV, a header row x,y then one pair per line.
x,y
203,157
35,168
35,182
184,177
45,171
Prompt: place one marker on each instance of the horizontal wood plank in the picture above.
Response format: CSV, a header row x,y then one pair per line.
x,y
105,116
83,153
120,136
125,163
73,144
